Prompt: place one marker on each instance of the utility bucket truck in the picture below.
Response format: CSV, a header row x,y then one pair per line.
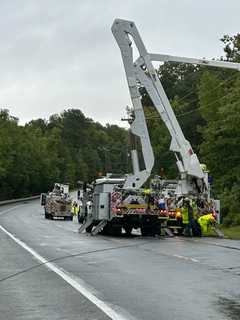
x,y
125,202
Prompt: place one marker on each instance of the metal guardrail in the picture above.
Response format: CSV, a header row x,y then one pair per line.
x,y
2,203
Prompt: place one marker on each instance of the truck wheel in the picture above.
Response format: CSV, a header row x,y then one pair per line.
x,y
128,230
147,231
89,228
112,230
180,232
115,230
157,229
144,231
105,231
46,214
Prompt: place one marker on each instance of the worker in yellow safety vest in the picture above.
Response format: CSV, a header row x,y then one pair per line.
x,y
206,221
187,218
75,208
149,199
196,228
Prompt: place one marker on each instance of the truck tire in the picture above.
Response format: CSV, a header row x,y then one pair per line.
x,y
144,231
47,215
158,229
89,228
128,230
112,230
148,231
115,230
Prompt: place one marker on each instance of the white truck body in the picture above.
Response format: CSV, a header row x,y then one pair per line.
x,y
132,207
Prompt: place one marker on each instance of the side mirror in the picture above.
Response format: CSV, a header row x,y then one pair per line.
x,y
43,199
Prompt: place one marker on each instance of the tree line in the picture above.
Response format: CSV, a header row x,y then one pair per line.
x,y
66,148
69,146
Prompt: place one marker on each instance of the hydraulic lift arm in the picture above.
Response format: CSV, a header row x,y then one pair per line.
x,y
121,30
141,72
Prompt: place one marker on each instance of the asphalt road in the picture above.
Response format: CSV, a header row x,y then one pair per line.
x,y
111,278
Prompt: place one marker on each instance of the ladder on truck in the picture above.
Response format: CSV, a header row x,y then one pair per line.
x,y
99,227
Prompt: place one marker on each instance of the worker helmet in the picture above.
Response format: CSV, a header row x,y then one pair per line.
x,y
203,167
147,191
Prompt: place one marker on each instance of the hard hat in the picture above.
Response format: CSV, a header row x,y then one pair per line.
x,y
203,167
147,191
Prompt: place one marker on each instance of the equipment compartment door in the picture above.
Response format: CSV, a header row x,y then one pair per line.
x,y
103,208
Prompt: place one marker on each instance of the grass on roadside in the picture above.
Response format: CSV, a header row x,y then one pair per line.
x,y
231,232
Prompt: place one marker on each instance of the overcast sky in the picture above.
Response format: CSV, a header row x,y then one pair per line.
x,y
56,54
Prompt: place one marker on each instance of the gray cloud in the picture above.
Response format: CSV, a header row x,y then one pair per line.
x,y
56,54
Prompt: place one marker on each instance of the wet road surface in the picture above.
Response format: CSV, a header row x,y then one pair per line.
x,y
105,277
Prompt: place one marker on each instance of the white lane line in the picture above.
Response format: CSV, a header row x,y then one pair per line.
x,y
10,209
194,260
186,258
107,309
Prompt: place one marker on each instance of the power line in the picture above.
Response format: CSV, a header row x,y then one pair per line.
x,y
191,111
69,256
220,84
206,105
196,100
209,91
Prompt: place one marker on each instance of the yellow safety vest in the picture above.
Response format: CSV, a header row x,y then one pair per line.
x,y
147,191
195,210
74,210
204,222
185,219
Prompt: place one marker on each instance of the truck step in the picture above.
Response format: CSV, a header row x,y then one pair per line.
x,y
168,232
85,225
99,227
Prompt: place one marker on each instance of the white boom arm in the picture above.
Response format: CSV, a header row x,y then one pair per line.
x,y
142,72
